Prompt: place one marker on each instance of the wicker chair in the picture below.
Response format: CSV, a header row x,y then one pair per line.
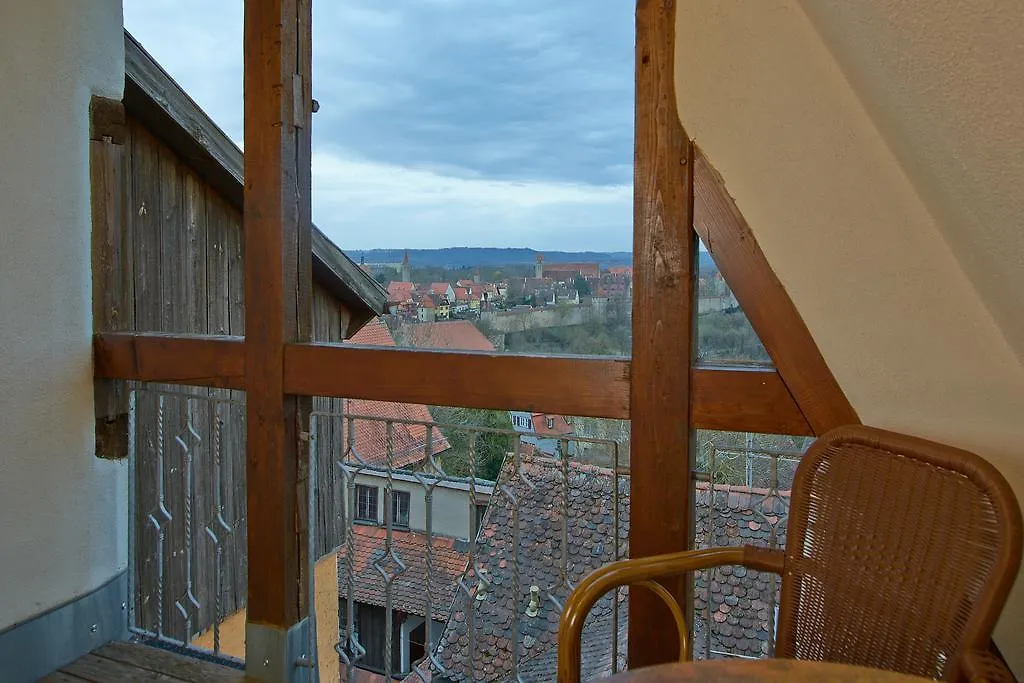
x,y
900,554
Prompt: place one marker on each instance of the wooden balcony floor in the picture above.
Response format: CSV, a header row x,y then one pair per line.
x,y
135,662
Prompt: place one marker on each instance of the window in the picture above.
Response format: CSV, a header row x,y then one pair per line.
x,y
400,508
366,503
477,520
550,422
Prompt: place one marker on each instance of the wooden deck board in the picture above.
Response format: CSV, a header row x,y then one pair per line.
x,y
137,662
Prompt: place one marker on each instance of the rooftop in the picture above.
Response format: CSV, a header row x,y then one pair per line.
x,y
448,559
408,440
540,555
459,335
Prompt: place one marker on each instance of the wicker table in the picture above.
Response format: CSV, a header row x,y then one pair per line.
x,y
760,670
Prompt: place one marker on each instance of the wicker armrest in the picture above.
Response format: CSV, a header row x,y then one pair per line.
x,y
984,666
645,571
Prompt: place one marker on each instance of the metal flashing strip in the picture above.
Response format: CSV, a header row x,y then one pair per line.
x,y
44,643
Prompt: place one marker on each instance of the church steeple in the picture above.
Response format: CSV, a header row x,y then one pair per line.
x,y
538,268
406,269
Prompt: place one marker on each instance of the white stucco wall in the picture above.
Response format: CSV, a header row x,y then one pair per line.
x,y
452,512
63,512
860,251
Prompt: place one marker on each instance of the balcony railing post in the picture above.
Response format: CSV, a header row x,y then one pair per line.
x,y
277,296
664,248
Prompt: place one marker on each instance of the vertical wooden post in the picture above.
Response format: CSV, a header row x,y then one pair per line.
x,y
112,277
277,293
661,515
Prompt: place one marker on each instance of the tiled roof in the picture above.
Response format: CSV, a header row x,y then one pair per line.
x,y
590,544
741,598
408,594
621,270
408,441
586,269
457,334
540,425
400,291
461,294
440,288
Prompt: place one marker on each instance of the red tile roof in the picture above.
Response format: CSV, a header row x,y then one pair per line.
x,y
440,288
740,598
449,558
621,270
540,425
408,441
457,334
461,294
400,292
539,489
585,269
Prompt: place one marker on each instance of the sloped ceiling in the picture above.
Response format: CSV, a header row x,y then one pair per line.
x,y
876,152
944,82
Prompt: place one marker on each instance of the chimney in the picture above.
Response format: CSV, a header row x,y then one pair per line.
x,y
533,609
481,586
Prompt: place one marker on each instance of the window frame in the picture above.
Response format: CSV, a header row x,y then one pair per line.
x,y
357,501
397,496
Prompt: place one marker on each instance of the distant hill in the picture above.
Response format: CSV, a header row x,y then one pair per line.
x,y
462,257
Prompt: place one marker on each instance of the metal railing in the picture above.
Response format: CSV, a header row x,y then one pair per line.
x,y
438,596
409,583
742,498
187,565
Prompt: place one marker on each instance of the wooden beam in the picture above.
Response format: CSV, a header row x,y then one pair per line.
x,y
586,387
276,199
112,283
744,400
199,360
736,399
664,251
762,297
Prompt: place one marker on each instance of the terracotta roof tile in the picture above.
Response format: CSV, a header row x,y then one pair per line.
x,y
540,425
449,559
740,598
408,441
591,543
400,292
457,334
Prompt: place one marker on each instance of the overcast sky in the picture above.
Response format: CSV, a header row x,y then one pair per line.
x,y
504,123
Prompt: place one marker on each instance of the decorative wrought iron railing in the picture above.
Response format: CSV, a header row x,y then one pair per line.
x,y
438,550
742,499
187,550
426,595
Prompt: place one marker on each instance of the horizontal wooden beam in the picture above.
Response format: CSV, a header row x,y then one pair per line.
x,y
200,360
728,399
744,400
588,387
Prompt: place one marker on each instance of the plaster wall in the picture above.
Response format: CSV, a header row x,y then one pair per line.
x,y
452,514
63,512
914,340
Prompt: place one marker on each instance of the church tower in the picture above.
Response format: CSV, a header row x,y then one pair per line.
x,y
538,268
406,270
